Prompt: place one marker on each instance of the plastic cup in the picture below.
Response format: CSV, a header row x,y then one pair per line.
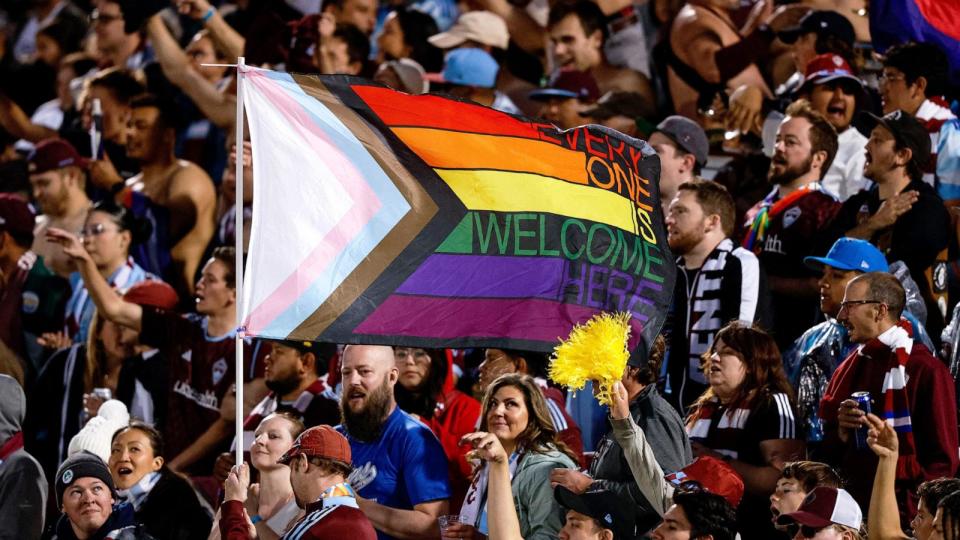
x,y
445,522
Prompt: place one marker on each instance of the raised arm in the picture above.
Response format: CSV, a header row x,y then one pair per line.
x,y
219,107
524,31
883,518
647,474
502,517
226,38
108,302
16,122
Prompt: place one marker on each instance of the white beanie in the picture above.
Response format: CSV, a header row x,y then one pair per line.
x,y
97,435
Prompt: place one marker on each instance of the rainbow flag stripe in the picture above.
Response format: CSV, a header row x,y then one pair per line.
x,y
381,217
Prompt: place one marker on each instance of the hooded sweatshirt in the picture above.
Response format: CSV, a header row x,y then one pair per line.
x,y
23,486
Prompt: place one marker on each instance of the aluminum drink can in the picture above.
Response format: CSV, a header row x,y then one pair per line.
x,y
860,434
103,393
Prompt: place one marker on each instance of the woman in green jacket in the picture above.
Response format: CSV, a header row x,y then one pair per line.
x,y
514,410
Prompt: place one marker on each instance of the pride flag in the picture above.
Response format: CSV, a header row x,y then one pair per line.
x,y
381,217
931,21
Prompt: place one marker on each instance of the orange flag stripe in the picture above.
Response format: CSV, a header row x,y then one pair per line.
x,y
444,149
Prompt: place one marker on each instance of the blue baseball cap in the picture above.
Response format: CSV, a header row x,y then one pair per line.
x,y
468,66
851,254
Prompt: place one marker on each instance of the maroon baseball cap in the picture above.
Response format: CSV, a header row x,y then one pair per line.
x,y
825,506
153,293
322,442
54,154
829,67
16,216
569,83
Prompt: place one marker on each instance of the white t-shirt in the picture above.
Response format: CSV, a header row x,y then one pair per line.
x,y
845,175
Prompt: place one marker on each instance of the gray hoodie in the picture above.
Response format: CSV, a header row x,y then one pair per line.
x,y
23,487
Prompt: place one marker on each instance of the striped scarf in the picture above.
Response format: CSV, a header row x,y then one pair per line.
x,y
474,510
896,404
933,113
341,493
139,491
770,208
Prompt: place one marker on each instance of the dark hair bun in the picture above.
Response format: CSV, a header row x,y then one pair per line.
x,y
140,228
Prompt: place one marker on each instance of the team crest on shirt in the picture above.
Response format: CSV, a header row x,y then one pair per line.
x,y
940,277
30,302
362,477
219,370
790,216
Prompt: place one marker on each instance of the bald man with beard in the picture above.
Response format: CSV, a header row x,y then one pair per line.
x,y
400,470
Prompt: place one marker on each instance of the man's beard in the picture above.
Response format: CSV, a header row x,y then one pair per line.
x,y
282,387
367,423
790,173
682,244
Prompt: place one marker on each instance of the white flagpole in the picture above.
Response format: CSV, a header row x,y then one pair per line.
x,y
238,245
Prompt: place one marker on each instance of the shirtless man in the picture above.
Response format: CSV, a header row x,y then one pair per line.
x,y
704,57
177,185
57,181
577,34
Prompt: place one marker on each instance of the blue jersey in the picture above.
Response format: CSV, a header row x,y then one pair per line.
x,y
406,466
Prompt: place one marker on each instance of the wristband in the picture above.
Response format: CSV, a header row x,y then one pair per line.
x,y
206,16
256,519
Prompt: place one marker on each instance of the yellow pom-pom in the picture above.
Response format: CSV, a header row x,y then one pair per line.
x,y
595,351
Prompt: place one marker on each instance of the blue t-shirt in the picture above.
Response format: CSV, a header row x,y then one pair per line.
x,y
403,468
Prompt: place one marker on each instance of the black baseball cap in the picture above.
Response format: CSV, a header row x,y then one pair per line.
x,y
688,135
907,131
324,351
611,511
825,22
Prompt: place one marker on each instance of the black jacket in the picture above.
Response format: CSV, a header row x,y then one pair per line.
x,y
172,511
121,517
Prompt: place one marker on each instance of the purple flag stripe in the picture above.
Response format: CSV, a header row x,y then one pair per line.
x,y
490,276
448,318
479,276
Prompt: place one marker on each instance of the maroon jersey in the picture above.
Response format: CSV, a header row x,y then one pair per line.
x,y
792,234
200,373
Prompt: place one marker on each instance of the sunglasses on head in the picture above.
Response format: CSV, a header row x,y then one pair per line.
x,y
691,486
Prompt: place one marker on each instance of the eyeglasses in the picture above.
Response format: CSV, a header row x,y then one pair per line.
x,y
95,230
846,305
417,355
886,78
103,18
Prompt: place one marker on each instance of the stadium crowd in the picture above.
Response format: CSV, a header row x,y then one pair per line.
x,y
804,384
